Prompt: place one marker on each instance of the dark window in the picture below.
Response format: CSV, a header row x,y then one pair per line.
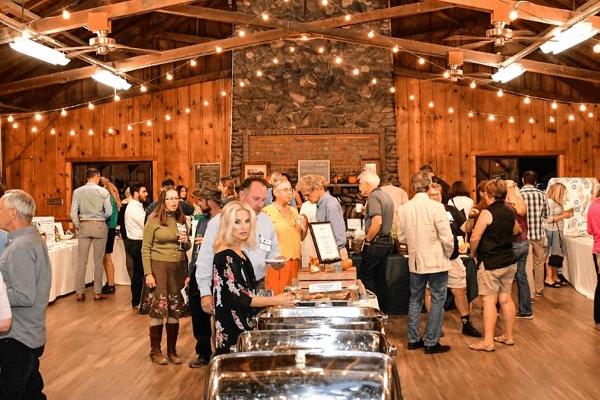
x,y
513,168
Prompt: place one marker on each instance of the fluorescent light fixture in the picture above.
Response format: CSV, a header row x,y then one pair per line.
x,y
506,74
110,79
563,40
39,51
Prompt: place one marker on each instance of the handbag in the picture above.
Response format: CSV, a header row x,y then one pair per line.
x,y
555,260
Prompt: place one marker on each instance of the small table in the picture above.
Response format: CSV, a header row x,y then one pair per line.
x,y
398,281
579,267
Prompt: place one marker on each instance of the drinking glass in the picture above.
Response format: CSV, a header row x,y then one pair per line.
x,y
181,231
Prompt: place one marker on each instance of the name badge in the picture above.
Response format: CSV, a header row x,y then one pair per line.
x,y
265,244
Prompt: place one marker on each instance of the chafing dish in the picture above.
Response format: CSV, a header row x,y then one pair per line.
x,y
354,318
325,339
302,375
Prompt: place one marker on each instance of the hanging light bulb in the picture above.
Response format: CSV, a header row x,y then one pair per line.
x,y
66,14
596,48
411,97
168,117
218,49
187,110
431,104
63,112
554,105
72,132
470,114
242,33
446,74
38,116
531,120
374,81
590,115
338,60
265,16
10,118
392,90
304,37
34,129
421,61
129,127
527,100
321,50
117,97
473,85
355,71
205,103
242,84
571,117
371,34
193,63
491,117
292,49
513,15
511,120
259,73
450,110
111,130
53,131
90,132
143,89
324,2
275,61
169,76
500,93
347,17
149,122
15,125
582,107
551,119
90,106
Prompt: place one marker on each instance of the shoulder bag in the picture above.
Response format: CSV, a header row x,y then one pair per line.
x,y
555,260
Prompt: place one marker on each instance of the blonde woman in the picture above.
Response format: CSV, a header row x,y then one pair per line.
x,y
554,225
227,188
290,230
517,204
234,281
112,222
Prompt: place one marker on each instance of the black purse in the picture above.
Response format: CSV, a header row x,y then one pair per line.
x,y
555,260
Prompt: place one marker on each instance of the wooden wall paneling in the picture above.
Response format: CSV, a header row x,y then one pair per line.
x,y
427,123
562,134
183,137
513,137
227,125
415,150
161,147
62,151
33,140
40,145
539,127
464,128
454,134
587,142
524,127
222,112
134,115
167,129
122,135
87,140
147,132
103,139
208,131
440,129
402,128
550,131
197,141
573,147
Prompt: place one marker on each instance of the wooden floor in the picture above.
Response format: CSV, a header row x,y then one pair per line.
x,y
99,350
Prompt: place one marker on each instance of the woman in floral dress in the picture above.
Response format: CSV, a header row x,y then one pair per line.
x,y
234,282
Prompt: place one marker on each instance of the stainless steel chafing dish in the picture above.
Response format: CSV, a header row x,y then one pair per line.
x,y
303,375
325,339
354,318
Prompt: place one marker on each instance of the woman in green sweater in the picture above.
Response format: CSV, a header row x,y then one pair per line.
x,y
109,267
165,270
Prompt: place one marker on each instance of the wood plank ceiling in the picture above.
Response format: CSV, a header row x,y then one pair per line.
x,y
185,29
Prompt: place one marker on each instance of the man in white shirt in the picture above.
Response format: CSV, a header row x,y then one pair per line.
x,y
134,225
5,313
253,192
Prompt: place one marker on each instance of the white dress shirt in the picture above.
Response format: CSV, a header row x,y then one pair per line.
x,y
134,220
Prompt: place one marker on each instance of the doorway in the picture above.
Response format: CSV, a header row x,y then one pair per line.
x,y
513,166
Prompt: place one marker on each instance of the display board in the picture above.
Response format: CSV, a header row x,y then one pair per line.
x,y
579,196
317,167
206,173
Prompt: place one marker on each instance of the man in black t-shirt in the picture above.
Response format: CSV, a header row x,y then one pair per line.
x,y
457,275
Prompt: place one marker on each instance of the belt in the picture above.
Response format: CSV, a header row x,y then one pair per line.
x,y
91,220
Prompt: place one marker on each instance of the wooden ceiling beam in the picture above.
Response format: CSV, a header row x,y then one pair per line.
x,y
182,37
527,10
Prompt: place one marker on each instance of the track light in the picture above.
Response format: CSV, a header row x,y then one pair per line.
x,y
39,51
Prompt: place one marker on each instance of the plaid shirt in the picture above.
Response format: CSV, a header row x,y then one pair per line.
x,y
536,211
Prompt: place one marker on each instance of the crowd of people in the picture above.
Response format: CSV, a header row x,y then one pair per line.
x,y
250,241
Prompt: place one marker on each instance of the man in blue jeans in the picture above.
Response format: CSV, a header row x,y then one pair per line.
x,y
423,226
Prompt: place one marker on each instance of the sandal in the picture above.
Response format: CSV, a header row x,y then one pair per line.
x,y
552,285
562,282
502,339
482,347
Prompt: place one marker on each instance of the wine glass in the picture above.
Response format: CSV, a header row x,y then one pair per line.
x,y
181,231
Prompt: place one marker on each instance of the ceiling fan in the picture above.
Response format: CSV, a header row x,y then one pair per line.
x,y
499,35
101,44
455,71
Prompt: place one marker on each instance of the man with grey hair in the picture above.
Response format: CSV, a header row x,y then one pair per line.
x,y
423,226
90,208
379,216
25,266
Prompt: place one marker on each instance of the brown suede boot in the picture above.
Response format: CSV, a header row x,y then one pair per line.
x,y
156,355
172,332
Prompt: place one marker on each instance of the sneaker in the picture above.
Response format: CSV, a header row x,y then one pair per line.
x,y
437,348
469,330
524,316
415,345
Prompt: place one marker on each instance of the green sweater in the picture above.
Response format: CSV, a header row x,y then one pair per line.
x,y
113,220
160,243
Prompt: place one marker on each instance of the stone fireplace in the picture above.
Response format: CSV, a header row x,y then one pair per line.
x,y
298,99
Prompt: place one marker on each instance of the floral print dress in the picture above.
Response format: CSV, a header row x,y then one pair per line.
x,y
233,286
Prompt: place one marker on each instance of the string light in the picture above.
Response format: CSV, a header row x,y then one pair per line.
x,y
129,127
324,2
34,129
193,63
347,17
355,71
473,85
242,84
168,117
392,89
259,73
63,112
91,132
10,118
411,97
143,89
66,14
38,116
374,81
72,132
321,50
421,61
338,60
554,106
431,105
90,106
15,125
531,120
395,49
513,15
446,74
511,120
551,119
304,37
117,97
450,110
590,115
149,123
53,131
187,110
526,100
169,76
205,103
218,49
275,61
242,33
491,117
111,130
223,93
571,117
265,16
371,34
582,107
596,48
500,93
292,49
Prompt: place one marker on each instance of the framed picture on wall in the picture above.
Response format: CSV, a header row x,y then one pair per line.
x,y
256,169
206,173
364,163
318,167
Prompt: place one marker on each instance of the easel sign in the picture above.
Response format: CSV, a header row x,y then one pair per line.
x,y
325,244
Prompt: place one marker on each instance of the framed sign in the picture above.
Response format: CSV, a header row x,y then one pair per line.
x,y
206,173
256,169
324,240
318,167
370,163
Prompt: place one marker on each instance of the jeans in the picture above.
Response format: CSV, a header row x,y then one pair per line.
x,y
372,269
200,320
521,250
438,283
20,376
597,293
134,249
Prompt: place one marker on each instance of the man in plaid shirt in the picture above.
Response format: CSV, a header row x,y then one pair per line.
x,y
536,212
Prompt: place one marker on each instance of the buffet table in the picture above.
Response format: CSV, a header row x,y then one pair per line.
x,y
63,260
398,280
579,267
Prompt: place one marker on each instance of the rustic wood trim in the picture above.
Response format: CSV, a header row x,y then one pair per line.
x,y
108,159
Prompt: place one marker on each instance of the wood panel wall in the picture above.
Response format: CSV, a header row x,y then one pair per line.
x,y
39,163
450,142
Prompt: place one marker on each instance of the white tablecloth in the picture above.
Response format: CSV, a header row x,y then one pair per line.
x,y
63,259
579,266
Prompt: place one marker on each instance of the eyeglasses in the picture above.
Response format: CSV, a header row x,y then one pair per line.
x,y
171,198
